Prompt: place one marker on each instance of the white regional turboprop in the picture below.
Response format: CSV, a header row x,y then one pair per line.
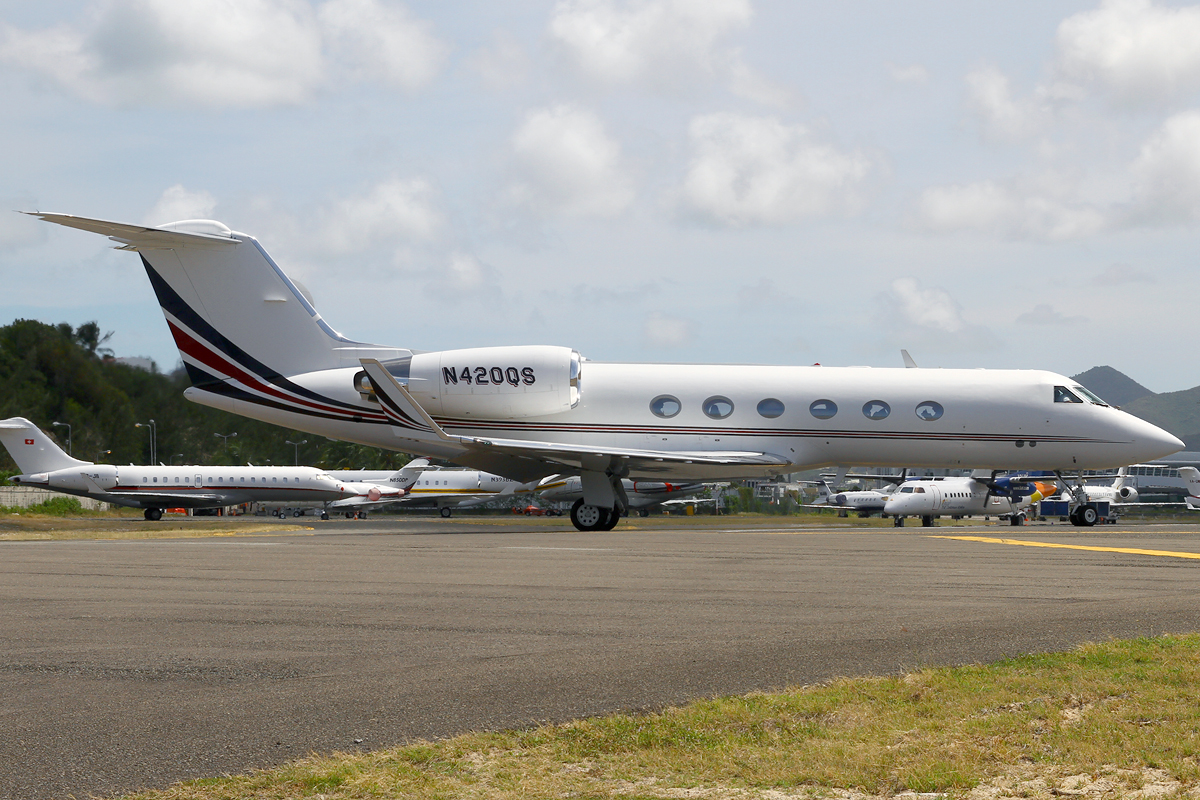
x,y
254,345
929,498
43,464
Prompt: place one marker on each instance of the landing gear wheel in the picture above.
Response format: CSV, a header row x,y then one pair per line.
x,y
153,514
1088,516
324,515
294,513
614,517
445,512
1016,520
349,515
644,512
898,522
589,518
362,515
927,521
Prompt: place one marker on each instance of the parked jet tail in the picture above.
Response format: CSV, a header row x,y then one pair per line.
x,y
234,314
32,449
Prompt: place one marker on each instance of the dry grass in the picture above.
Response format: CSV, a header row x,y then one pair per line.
x,y
1118,719
26,527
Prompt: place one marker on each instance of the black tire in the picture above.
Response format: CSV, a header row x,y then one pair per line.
x,y
898,522
296,513
1015,520
363,515
614,517
445,512
1088,516
589,518
643,512
324,515
927,521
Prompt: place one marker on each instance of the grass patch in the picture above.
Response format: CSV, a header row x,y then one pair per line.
x,y
1106,719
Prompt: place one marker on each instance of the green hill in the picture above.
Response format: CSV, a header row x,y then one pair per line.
x,y
1177,412
1114,386
58,374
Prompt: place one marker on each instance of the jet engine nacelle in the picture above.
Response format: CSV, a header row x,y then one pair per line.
x,y
838,499
1128,494
490,382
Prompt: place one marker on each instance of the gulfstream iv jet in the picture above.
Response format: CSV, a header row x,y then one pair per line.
x,y
253,344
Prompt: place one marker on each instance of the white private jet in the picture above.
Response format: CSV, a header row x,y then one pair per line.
x,y
43,464
864,502
929,498
447,489
253,344
1191,477
642,495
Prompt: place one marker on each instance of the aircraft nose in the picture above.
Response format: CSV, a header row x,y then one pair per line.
x,y
1151,441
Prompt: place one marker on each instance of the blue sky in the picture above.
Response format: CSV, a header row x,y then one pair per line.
x,y
984,184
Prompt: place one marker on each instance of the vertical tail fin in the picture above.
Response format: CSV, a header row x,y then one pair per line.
x,y
32,449
407,475
234,314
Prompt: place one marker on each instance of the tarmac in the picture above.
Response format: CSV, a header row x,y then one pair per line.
x,y
135,664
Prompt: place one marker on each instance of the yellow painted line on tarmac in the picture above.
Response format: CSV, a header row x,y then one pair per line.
x,y
1023,543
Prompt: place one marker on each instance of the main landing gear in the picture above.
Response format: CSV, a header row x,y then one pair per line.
x,y
593,518
445,512
1084,517
153,514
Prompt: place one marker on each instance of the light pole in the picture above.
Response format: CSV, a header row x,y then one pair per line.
x,y
101,455
296,446
153,439
177,455
66,425
225,437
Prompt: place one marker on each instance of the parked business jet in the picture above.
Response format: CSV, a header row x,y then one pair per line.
x,y
864,502
981,494
44,464
447,489
253,344
1191,477
379,486
642,495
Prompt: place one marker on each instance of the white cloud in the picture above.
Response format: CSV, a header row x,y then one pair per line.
x,y
1003,117
502,64
663,330
375,40
565,162
1045,314
1134,49
220,54
757,170
1122,274
177,203
1166,173
393,212
929,315
912,73
1009,211
664,42
931,307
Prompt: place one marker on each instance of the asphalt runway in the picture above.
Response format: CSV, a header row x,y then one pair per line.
x,y
132,664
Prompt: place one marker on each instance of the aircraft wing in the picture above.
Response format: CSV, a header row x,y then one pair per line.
x,y
525,460
171,499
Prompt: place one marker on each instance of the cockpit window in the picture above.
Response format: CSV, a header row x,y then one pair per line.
x,y
906,490
1064,395
1089,395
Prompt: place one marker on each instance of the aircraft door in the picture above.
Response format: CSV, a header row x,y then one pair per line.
x,y
199,481
936,491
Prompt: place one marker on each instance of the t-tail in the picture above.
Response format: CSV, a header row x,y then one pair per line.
x,y
244,329
33,450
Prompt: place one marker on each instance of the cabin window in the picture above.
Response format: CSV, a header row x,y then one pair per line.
x,y
718,407
156,480
770,408
823,409
930,410
665,406
876,409
274,480
1064,395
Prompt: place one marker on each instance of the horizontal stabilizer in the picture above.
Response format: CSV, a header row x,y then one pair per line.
x,y
137,237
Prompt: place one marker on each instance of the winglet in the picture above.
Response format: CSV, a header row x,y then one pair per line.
x,y
908,360
398,405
